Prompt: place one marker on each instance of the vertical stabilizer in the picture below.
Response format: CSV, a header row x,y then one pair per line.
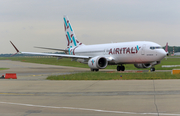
x,y
70,35
166,49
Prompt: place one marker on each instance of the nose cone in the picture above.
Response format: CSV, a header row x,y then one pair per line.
x,y
161,54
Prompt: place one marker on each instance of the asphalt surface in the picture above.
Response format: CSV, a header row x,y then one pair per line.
x,y
32,95
32,71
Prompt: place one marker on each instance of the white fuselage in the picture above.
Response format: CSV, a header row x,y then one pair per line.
x,y
123,53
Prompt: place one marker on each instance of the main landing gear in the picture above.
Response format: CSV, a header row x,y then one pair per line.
x,y
120,68
94,69
152,69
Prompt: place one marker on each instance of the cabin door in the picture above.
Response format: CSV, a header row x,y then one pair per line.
x,y
143,50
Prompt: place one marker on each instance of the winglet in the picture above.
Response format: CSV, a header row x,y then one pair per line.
x,y
17,51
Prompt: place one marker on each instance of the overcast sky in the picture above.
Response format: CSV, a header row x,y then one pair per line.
x,y
29,23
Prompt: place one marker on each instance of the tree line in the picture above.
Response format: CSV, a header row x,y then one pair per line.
x,y
170,49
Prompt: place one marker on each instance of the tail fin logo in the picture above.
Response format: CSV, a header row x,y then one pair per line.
x,y
72,41
69,32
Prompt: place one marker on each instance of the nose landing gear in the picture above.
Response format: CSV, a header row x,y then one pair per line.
x,y
120,68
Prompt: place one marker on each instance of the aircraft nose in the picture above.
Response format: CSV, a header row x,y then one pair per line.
x,y
162,53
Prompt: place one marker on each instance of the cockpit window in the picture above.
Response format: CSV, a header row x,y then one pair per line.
x,y
155,47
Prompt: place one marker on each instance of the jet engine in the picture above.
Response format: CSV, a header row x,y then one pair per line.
x,y
97,62
148,65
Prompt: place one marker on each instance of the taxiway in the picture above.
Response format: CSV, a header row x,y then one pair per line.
x,y
32,95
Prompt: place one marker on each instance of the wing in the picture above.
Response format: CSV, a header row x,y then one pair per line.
x,y
65,50
56,55
48,54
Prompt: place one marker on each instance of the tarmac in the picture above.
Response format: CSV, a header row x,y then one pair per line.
x,y
32,95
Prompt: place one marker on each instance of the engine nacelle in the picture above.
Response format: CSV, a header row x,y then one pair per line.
x,y
97,62
142,65
148,65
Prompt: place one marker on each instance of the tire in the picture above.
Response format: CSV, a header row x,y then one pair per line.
x,y
96,70
118,68
152,69
122,68
92,69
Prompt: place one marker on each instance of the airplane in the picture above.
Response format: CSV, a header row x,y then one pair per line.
x,y
166,49
173,53
143,54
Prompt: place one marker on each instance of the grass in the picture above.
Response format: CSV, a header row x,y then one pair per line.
x,y
115,76
68,62
102,75
4,68
51,61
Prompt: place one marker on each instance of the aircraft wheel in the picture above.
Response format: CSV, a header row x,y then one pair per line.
x,y
152,69
122,68
92,69
118,68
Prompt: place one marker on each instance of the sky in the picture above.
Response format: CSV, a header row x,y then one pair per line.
x,y
29,23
